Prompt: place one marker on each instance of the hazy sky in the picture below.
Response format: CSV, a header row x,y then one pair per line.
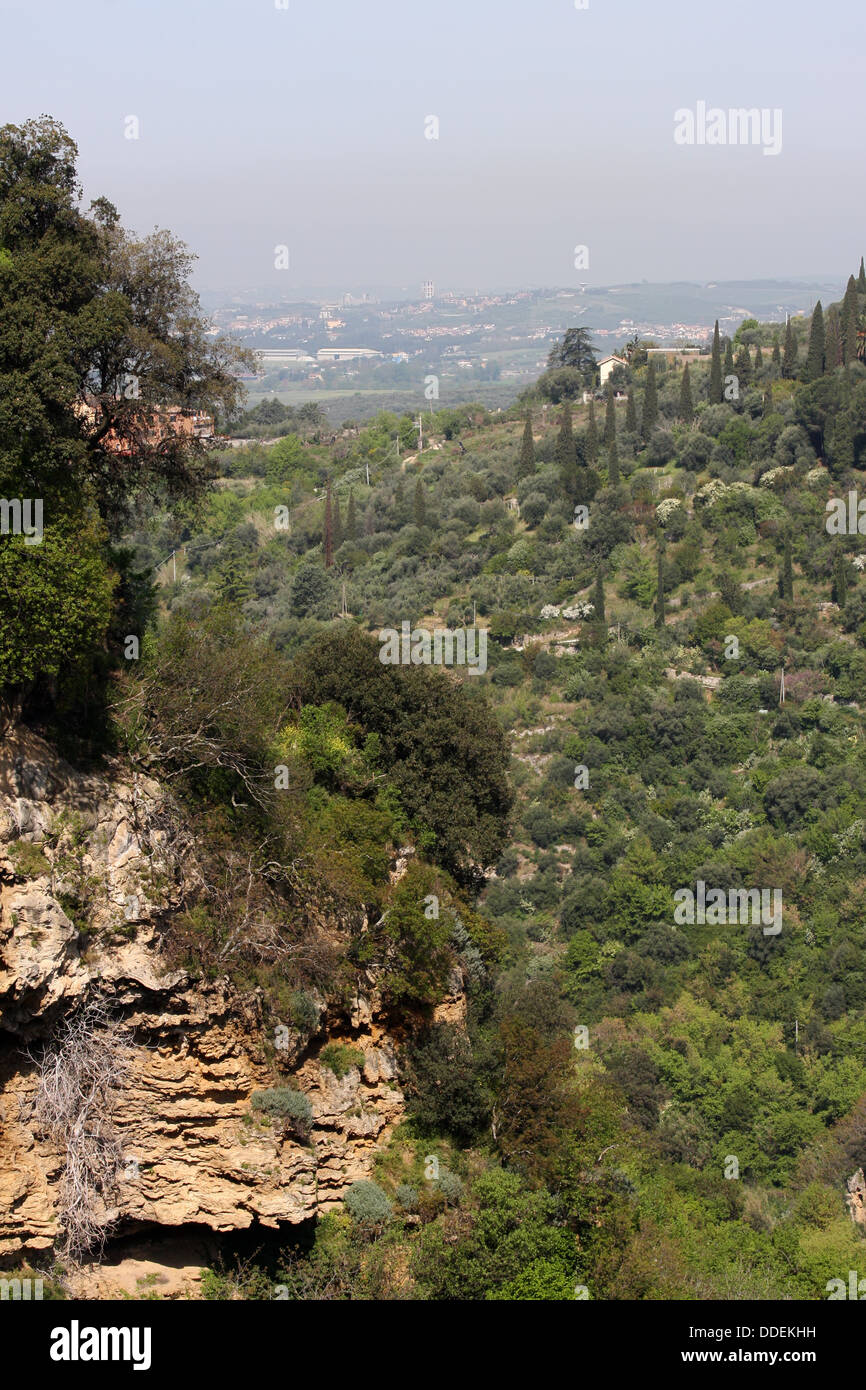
x,y
305,126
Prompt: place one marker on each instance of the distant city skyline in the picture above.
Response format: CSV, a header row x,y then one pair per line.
x,y
491,145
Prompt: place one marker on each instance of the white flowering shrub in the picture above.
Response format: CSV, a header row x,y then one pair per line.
x,y
667,508
550,611
578,610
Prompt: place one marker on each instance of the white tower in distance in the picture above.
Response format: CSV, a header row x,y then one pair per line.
x,y
428,289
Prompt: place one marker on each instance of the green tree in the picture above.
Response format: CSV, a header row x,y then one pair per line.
x,y
574,350
833,355
338,523
840,579
687,408
729,358
815,356
777,355
660,589
715,387
526,463
612,465
786,578
328,534
609,416
351,520
419,505
566,456
591,444
630,412
650,404
861,279
743,367
598,596
789,356
850,315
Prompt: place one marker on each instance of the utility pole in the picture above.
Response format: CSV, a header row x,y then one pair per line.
x,y
173,567
782,688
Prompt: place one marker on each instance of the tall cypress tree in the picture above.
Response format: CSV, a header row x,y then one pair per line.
x,y
566,455
815,356
351,520
789,356
612,465
833,352
786,578
861,279
743,367
419,506
526,464
650,403
840,579
849,321
687,405
660,588
759,359
630,412
609,416
329,526
716,369
598,597
591,445
777,355
729,358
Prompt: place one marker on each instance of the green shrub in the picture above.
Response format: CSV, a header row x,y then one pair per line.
x,y
282,1103
303,1013
451,1187
407,1197
340,1058
367,1204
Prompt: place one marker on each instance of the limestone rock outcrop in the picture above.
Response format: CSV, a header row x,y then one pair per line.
x,y
194,1150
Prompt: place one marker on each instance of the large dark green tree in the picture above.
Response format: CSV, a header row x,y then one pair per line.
x,y
98,330
815,356
715,386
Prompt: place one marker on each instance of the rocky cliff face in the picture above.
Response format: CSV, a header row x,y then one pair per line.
x,y
193,1150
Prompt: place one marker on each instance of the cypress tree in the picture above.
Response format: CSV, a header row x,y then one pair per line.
x,y
833,353
759,359
777,356
591,445
840,580
351,521
609,417
861,279
419,507
786,578
630,412
526,464
566,454
650,403
729,358
660,589
743,366
789,357
612,465
338,523
598,597
329,527
687,405
849,321
716,369
815,356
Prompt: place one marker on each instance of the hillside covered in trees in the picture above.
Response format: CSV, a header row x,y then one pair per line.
x,y
670,577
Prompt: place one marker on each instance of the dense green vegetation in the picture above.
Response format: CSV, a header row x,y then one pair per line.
x,y
633,1109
